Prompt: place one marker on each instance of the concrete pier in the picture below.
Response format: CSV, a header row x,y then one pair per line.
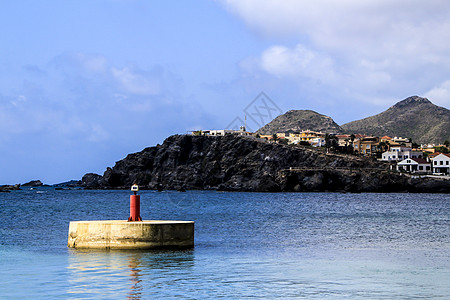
x,y
131,235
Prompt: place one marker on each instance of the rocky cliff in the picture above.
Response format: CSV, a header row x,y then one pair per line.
x,y
236,163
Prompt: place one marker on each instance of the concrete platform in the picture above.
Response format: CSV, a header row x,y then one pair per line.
x,y
131,235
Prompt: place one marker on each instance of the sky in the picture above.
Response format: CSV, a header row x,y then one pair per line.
x,y
84,83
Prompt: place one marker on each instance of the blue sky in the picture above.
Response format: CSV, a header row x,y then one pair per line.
x,y
83,83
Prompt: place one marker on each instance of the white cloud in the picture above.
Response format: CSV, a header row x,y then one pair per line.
x,y
440,95
98,134
362,50
299,61
19,100
136,82
94,63
370,26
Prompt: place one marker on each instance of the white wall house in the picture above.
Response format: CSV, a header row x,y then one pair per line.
x,y
317,142
222,132
414,165
400,140
400,153
441,163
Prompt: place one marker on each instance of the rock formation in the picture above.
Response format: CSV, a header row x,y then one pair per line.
x,y
239,163
33,183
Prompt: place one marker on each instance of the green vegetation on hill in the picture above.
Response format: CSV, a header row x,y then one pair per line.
x,y
298,120
414,117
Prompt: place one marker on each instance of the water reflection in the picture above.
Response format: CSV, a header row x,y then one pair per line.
x,y
135,266
110,274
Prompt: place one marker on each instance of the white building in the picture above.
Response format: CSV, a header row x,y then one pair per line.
x,y
414,165
400,153
222,132
441,164
400,140
317,142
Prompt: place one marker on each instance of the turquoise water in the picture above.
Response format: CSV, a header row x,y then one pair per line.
x,y
248,245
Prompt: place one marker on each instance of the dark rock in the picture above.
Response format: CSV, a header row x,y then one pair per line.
x,y
239,163
91,181
8,188
33,183
68,184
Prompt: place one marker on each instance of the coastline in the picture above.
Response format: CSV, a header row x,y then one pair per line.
x,y
248,164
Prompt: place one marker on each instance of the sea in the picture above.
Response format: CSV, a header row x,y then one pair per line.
x,y
247,245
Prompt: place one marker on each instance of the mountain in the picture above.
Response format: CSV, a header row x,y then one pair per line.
x,y
414,117
241,163
298,120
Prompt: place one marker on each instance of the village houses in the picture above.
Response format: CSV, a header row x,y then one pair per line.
x,y
400,153
396,150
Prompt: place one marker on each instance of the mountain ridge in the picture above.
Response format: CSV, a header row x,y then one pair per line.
x,y
297,120
414,117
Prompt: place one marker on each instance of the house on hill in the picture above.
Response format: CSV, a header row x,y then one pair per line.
x,y
400,141
385,139
366,146
314,138
433,155
441,164
343,139
400,153
222,132
414,165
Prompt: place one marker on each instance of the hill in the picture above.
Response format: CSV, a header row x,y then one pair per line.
x,y
414,117
298,120
240,163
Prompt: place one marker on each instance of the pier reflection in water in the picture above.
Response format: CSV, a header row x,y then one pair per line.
x,y
109,274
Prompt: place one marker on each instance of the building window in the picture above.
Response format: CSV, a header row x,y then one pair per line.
x,y
420,168
435,162
446,162
442,162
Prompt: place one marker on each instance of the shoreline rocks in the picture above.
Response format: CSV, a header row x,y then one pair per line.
x,y
33,183
8,188
241,163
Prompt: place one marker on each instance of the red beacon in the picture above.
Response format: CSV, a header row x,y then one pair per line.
x,y
135,205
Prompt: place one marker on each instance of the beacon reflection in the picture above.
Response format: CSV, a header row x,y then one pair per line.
x,y
135,266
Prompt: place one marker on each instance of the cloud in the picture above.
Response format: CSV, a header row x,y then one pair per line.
x,y
440,95
98,134
299,61
84,112
366,51
136,82
351,24
94,63
89,98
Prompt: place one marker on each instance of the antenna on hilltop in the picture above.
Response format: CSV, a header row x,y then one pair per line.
x,y
245,123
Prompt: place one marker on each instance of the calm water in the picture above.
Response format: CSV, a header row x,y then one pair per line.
x,y
248,245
